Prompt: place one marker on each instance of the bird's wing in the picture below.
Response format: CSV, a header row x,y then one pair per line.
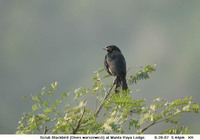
x,y
120,65
106,65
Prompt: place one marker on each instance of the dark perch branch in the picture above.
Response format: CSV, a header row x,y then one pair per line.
x,y
148,127
45,130
79,122
105,97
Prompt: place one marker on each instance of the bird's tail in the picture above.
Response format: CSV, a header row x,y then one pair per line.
x,y
119,82
124,84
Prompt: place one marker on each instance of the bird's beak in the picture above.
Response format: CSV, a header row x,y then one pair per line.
x,y
105,49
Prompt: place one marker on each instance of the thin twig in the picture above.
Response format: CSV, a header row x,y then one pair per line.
x,y
39,130
57,114
155,122
63,117
148,126
79,122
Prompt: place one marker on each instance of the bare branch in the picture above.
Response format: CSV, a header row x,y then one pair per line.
x,y
79,122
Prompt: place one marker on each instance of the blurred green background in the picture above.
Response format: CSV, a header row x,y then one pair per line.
x,y
42,41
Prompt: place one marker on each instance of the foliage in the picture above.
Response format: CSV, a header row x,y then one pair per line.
x,y
112,113
177,130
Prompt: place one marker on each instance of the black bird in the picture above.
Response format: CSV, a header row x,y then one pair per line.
x,y
115,65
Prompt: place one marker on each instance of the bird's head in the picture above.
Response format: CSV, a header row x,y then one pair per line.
x,y
112,48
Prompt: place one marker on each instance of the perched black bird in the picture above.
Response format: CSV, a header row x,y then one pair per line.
x,y
115,65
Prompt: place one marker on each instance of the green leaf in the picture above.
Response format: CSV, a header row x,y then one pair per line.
x,y
149,68
195,108
77,90
107,75
66,106
47,110
185,99
100,69
45,104
34,107
39,106
175,103
94,78
142,74
177,130
83,91
54,85
177,111
153,107
64,95
36,99
187,107
58,101
157,99
54,105
43,91
33,126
